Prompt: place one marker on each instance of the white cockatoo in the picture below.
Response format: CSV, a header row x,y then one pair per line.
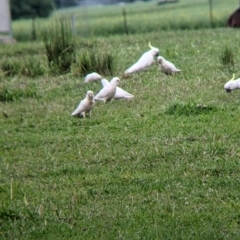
x,y
145,61
92,77
166,66
232,84
85,106
108,92
120,93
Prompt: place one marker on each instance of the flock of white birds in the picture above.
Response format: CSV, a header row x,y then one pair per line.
x,y
110,90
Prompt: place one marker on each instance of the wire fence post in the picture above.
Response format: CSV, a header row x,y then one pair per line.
x,y
210,13
85,20
73,25
34,35
124,19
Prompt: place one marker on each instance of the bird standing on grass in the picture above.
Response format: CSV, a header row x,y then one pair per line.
x,y
85,106
232,84
92,77
108,92
145,61
166,66
120,93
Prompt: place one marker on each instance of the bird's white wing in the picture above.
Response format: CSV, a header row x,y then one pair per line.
x,y
106,93
80,108
143,63
122,94
104,82
92,77
238,82
172,67
169,67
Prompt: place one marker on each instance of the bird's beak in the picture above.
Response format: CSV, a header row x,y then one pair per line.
x,y
228,90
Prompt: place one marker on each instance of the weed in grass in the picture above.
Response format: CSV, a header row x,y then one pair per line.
x,y
227,57
60,46
8,214
10,67
189,108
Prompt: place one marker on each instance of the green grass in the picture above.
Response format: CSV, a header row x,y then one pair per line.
x,y
164,165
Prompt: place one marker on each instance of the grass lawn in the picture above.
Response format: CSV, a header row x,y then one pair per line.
x,y
164,165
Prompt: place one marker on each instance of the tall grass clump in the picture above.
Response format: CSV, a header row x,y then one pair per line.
x,y
227,57
92,60
60,45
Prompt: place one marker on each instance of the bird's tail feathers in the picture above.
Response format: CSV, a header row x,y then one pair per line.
x,y
99,99
75,113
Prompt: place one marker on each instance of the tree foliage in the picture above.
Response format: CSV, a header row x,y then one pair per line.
x,y
65,3
31,8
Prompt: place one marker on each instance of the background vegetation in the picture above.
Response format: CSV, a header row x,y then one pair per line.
x,y
30,8
142,17
25,9
164,165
